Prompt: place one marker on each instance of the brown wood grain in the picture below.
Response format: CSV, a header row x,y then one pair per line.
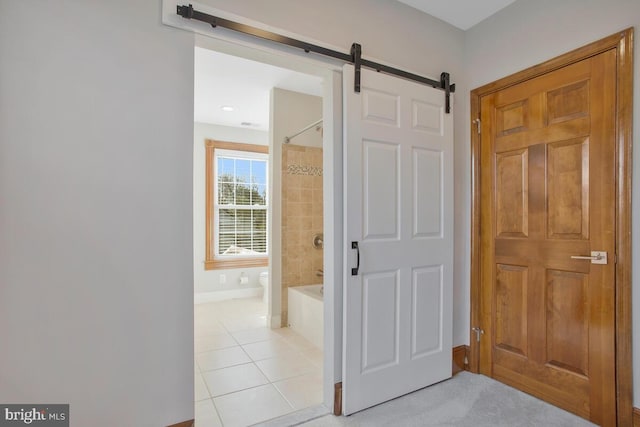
x,y
475,315
518,123
561,213
624,106
337,399
512,177
459,354
487,243
511,316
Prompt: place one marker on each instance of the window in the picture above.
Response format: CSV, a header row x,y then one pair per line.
x,y
236,205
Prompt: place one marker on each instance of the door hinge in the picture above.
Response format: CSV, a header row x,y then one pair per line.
x,y
478,124
478,332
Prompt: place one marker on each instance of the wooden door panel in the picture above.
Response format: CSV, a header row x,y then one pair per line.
x,y
568,102
549,148
511,308
512,179
568,189
512,118
567,321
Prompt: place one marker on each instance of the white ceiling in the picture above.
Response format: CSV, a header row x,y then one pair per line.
x,y
222,79
463,14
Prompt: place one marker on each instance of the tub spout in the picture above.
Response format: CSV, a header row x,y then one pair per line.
x,y
320,273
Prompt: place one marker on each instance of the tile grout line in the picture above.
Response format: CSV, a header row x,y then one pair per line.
x,y
289,341
283,396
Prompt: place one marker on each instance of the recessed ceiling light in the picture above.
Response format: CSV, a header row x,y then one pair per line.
x,y
227,108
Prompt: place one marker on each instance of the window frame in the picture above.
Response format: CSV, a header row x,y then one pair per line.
x,y
211,262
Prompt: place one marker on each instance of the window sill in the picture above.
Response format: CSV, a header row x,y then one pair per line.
x,y
217,264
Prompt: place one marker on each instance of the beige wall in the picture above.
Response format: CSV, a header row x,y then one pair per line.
x,y
290,113
529,32
301,218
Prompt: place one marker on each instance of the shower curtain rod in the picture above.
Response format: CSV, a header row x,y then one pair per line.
x,y
354,57
288,138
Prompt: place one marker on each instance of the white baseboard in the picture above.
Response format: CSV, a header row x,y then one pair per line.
x,y
205,297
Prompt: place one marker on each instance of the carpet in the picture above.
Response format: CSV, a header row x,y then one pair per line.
x,y
466,400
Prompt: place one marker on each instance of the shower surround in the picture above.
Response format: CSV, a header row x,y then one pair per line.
x,y
301,218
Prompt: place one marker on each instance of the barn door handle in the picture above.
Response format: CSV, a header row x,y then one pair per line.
x,y
597,257
354,271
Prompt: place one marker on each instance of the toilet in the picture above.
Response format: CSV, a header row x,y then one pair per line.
x,y
264,282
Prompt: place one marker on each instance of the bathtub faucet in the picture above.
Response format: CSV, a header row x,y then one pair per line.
x,y
320,273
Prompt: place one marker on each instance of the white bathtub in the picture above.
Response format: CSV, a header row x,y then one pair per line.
x,y
305,314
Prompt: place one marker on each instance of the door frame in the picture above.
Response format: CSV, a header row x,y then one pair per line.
x,y
622,42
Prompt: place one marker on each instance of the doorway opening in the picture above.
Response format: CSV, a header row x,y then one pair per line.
x,y
258,239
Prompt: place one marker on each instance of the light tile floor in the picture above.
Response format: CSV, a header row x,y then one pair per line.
x,y
246,373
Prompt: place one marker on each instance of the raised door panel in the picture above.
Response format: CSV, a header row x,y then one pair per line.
x,y
427,193
512,194
380,320
427,117
568,189
512,118
380,108
511,309
426,311
568,102
567,321
381,181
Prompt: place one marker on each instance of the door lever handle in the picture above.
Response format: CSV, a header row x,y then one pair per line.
x,y
597,257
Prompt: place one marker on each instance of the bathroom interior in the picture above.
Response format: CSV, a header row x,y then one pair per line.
x,y
258,330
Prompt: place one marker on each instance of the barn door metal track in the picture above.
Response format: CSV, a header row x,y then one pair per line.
x,y
354,57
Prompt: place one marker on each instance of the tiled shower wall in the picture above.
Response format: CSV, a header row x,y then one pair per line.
x,y
301,218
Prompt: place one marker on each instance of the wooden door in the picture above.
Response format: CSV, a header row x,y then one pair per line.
x,y
548,181
399,209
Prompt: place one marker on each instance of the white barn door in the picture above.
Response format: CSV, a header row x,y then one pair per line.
x,y
399,210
